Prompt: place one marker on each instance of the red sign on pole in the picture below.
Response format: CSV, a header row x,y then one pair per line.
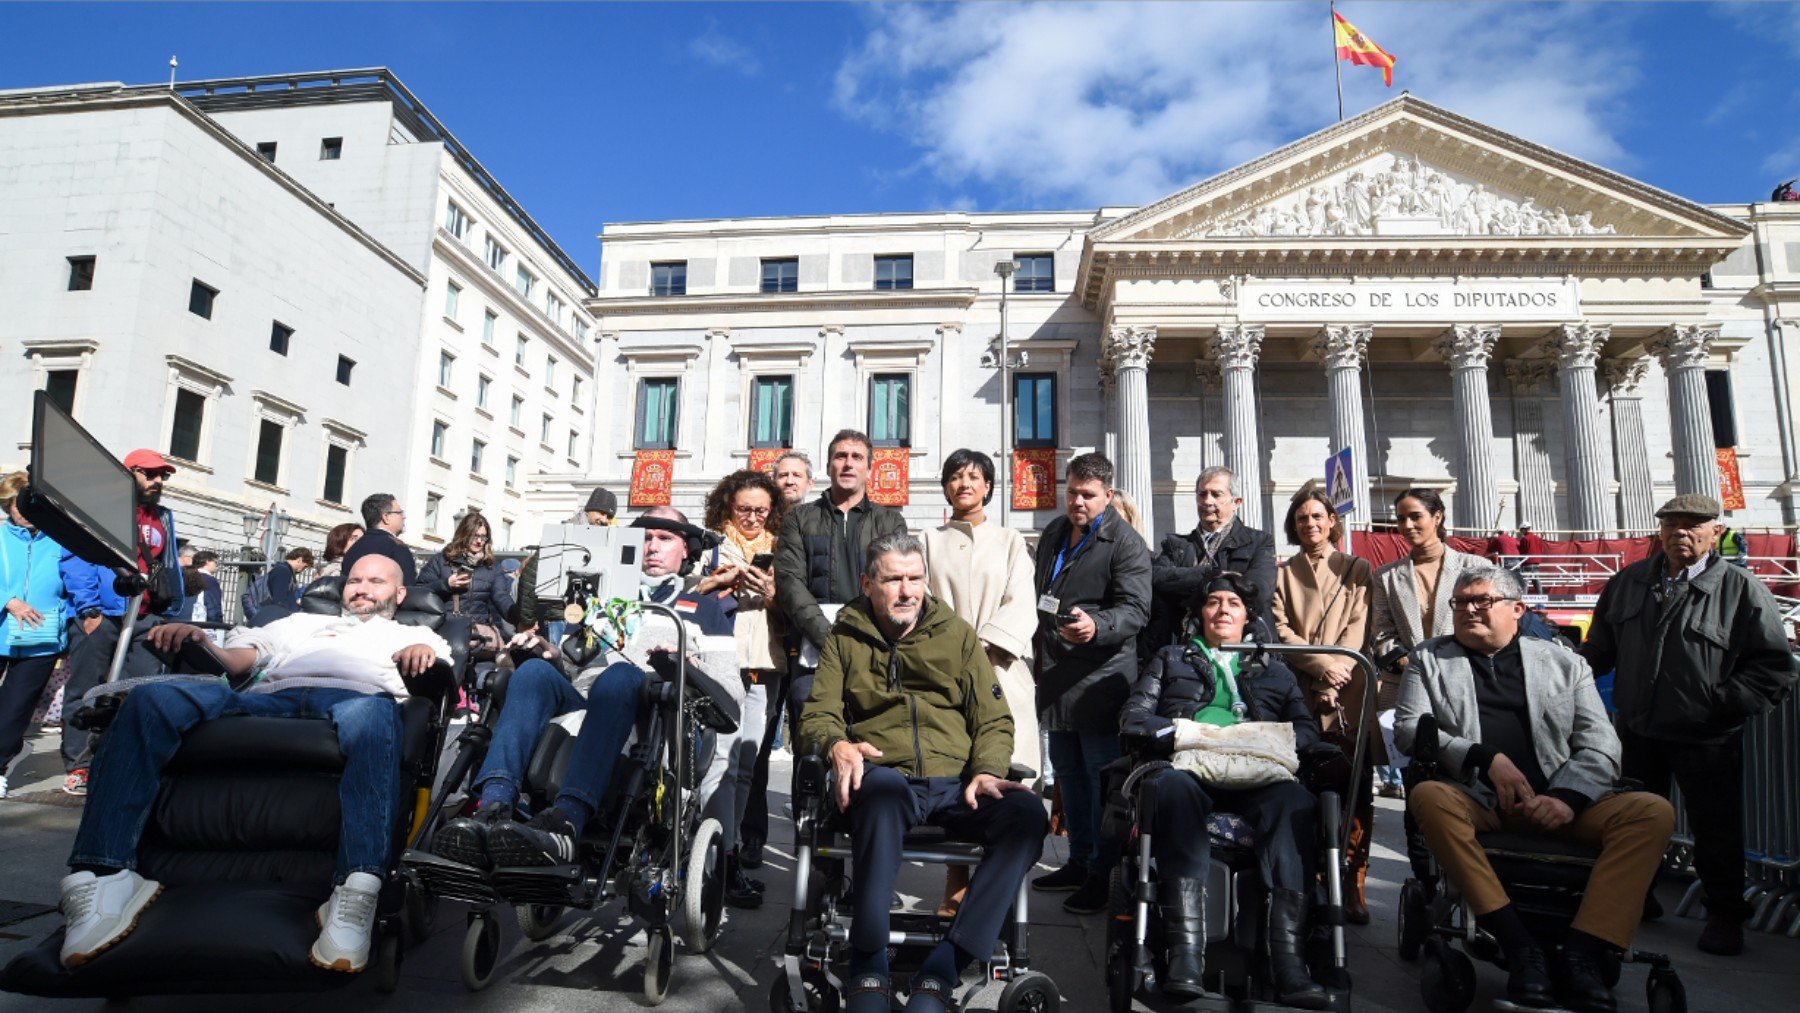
x,y
652,478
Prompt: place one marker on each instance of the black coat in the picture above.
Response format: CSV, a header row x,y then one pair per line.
x,y
806,551
1109,579
1180,572
487,599
1178,682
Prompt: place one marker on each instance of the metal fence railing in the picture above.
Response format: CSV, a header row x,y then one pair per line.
x,y
235,577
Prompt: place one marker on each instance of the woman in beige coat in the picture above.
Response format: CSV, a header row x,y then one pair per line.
x,y
985,573
1322,598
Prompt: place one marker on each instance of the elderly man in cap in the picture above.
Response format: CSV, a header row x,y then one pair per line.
x,y
1698,648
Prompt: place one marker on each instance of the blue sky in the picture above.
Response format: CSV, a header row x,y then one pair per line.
x,y
591,113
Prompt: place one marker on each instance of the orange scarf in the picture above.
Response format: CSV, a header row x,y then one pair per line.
x,y
750,547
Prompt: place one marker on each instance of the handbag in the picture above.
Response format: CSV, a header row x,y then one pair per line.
x,y
1249,754
46,634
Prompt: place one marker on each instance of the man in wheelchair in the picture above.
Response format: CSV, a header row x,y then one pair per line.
x,y
348,669
1197,681
612,695
1524,745
917,730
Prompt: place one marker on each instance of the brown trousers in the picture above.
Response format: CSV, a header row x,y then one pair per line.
x,y
1631,829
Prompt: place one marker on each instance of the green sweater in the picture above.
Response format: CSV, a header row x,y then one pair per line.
x,y
1219,711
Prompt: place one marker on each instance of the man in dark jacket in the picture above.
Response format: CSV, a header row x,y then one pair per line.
x,y
1093,584
384,520
819,553
910,713
1698,649
1220,543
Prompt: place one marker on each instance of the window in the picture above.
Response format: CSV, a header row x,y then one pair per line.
x,y
575,390
432,502
279,333
890,409
446,368
554,307
266,151
1034,409
526,282
60,385
495,255
581,329
190,413
488,320
1037,273
345,366
781,275
456,220
518,404
452,297
482,383
519,350
512,472
574,442
439,430
476,449
331,149
506,528
268,452
656,413
771,411
337,462
550,371
200,299
81,274
544,430
668,279
1719,405
893,273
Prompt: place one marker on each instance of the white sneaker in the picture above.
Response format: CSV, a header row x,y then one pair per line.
x,y
2,786
346,922
101,910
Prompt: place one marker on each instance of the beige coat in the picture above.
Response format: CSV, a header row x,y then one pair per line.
x,y
986,575
758,625
1324,601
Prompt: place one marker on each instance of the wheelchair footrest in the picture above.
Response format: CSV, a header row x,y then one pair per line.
x,y
449,880
555,886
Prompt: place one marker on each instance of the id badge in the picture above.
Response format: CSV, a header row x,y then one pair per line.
x,y
1049,604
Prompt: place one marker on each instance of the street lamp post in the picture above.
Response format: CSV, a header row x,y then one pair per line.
x,y
1001,358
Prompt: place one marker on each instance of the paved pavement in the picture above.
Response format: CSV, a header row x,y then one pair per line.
x,y
595,961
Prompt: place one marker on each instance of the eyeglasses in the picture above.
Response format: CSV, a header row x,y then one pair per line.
x,y
151,475
393,513
1478,603
750,511
479,540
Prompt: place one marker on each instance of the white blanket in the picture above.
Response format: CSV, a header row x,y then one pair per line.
x,y
1249,754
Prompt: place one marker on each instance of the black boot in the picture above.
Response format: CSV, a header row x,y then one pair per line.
x,y
1293,985
1182,903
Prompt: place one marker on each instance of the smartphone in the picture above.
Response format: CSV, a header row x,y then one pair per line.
x,y
1065,618
763,560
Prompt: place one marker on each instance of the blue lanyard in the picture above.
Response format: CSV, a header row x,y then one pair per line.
x,y
1066,555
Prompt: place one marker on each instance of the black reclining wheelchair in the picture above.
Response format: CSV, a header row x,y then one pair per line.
x,y
1545,878
818,923
243,837
647,841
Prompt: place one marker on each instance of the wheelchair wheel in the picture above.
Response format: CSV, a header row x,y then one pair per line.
x,y
1030,992
703,891
387,965
659,964
1665,992
820,996
1415,919
1121,981
538,921
1447,979
480,950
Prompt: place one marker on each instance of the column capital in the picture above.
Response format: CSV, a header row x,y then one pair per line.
x,y
718,334
827,330
1237,346
1528,376
1343,346
1468,346
1623,376
1684,345
1129,347
1577,346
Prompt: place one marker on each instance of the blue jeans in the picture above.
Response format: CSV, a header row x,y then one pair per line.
x,y
1078,757
147,731
612,708
536,693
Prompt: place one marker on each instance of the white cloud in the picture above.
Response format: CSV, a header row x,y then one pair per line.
x,y
720,50
1123,103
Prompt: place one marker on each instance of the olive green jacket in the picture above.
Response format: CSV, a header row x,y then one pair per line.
x,y
929,701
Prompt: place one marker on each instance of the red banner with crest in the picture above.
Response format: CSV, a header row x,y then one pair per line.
x,y
763,459
652,478
1034,479
890,471
1731,485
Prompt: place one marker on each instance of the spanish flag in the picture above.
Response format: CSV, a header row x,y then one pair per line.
x,y
1361,50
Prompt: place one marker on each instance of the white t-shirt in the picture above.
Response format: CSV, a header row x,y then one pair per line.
x,y
336,652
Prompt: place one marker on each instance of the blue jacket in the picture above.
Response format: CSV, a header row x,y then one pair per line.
x,y
90,585
29,569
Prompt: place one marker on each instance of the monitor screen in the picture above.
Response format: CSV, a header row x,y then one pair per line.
x,y
74,476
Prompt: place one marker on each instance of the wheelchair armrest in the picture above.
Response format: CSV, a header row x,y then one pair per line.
x,y
812,777
97,714
1425,744
1324,767
1020,773
434,683
455,630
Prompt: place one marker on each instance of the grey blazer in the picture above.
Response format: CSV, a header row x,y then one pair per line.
x,y
1394,615
1575,743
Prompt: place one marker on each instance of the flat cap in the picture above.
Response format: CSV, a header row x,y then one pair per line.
x,y
1690,504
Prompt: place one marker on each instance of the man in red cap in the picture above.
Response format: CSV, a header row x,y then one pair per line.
x,y
100,611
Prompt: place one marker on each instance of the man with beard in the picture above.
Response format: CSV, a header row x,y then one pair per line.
x,y
349,669
100,610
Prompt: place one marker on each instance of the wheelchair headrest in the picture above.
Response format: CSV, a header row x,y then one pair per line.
x,y
422,607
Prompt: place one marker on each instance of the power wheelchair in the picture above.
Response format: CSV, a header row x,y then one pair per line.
x,y
647,842
818,923
1545,877
244,838
1235,908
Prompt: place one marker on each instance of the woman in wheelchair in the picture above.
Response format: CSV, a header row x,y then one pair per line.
x,y
1198,682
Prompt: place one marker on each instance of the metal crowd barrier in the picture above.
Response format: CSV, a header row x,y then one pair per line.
x,y
1771,824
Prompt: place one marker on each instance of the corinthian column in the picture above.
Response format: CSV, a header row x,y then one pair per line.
x,y
1128,349
1467,348
1343,348
1682,350
1537,481
1577,350
1109,405
1236,348
1637,489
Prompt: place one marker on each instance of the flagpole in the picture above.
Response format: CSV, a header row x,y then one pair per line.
x,y
1337,65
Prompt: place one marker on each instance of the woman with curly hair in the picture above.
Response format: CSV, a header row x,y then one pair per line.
x,y
745,510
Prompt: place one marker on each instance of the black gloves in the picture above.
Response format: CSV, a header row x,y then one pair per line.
x,y
1149,734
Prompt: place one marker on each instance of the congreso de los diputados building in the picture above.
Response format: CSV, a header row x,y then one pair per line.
x,y
1542,339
